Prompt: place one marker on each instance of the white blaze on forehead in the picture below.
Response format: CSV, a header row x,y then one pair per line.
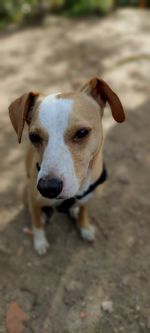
x,y
55,112
57,160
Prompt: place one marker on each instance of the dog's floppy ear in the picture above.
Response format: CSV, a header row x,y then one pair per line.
x,y
19,110
102,93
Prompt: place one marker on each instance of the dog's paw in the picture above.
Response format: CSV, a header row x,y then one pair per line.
x,y
41,246
88,234
40,242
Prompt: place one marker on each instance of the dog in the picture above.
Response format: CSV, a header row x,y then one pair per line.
x,y
64,162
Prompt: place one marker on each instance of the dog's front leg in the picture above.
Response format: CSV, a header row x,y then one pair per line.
x,y
39,239
87,231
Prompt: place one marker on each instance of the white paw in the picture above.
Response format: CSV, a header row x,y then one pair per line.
x,y
88,233
41,246
74,212
40,242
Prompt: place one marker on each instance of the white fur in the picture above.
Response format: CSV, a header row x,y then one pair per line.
x,y
74,212
88,233
57,160
40,242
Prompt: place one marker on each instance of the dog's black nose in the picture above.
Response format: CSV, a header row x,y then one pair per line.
x,y
50,188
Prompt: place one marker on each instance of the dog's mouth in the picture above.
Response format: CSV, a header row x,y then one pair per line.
x,y
60,197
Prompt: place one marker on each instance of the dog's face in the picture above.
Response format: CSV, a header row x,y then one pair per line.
x,y
66,131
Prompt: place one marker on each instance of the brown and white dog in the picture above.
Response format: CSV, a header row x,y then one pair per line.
x,y
65,157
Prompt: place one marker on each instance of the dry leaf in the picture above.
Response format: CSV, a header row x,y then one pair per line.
x,y
15,317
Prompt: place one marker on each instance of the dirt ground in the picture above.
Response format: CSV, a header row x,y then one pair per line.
x,y
77,287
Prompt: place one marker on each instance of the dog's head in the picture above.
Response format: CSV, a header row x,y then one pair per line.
x,y
66,131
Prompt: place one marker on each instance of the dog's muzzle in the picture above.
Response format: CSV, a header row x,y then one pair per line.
x,y
50,188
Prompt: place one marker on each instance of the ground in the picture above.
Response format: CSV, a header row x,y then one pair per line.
x,y
77,287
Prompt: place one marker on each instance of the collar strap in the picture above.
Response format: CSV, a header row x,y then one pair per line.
x,y
68,203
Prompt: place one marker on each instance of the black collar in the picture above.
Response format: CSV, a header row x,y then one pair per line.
x,y
68,203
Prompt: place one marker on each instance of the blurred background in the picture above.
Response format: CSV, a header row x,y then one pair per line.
x,y
33,10
56,45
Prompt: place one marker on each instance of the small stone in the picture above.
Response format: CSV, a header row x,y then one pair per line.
x,y
107,306
83,304
73,286
34,316
138,308
27,231
130,240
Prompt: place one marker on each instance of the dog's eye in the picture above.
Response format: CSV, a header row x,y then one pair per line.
x,y
81,133
35,138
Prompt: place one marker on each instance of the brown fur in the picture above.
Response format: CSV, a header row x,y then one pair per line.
x,y
85,108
